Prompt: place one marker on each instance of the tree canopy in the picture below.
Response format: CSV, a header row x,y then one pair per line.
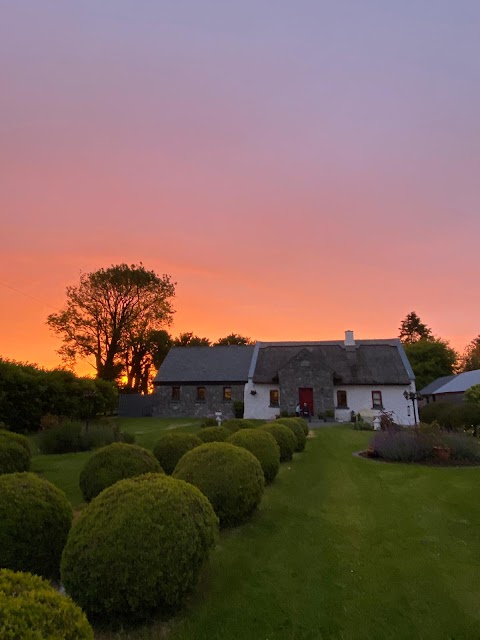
x,y
233,339
110,316
470,360
430,359
413,329
189,339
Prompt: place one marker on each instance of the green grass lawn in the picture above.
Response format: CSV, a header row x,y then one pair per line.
x,y
341,548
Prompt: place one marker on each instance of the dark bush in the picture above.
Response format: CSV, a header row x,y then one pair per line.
x,y
172,446
362,425
13,456
73,436
214,434
238,408
285,438
138,548
263,446
230,477
463,448
402,446
115,462
18,438
297,431
31,609
434,412
35,519
209,422
234,424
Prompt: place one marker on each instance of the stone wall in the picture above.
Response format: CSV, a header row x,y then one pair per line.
x,y
303,372
189,407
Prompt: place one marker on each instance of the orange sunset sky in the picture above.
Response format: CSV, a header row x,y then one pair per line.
x,y
298,168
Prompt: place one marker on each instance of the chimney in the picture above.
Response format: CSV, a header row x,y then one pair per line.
x,y
349,339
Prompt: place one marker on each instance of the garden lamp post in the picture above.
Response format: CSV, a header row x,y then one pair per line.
x,y
412,395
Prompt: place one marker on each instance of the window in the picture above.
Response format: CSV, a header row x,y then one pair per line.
x,y
201,394
377,400
274,397
227,394
175,394
342,399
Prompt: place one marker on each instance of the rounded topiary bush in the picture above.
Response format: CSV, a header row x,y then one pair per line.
x,y
230,477
214,434
115,462
13,457
16,437
304,424
285,438
237,423
263,446
35,518
138,547
297,430
31,609
172,446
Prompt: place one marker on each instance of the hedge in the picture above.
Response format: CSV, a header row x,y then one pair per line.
x,y
112,463
172,446
13,457
285,438
230,477
35,519
18,438
138,548
263,446
31,609
234,424
214,434
296,429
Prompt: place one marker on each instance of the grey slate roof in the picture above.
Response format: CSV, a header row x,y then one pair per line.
x,y
458,383
205,364
369,362
435,385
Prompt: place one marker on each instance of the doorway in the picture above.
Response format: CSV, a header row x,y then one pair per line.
x,y
305,394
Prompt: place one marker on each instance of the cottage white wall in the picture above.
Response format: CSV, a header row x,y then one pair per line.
x,y
359,399
258,405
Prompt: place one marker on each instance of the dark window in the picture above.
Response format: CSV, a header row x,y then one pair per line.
x,y
342,399
377,400
227,394
175,394
274,397
201,394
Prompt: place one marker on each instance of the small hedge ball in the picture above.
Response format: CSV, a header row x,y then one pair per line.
x,y
237,423
172,446
230,477
214,434
138,548
115,462
263,446
296,430
16,437
304,424
35,518
31,609
285,438
13,457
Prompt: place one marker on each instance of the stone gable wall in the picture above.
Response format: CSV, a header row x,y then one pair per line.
x,y
189,407
302,372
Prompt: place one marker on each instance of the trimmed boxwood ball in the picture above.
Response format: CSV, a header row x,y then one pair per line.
x,y
172,446
16,437
230,477
214,434
138,548
115,462
297,430
285,438
35,518
263,446
13,457
237,423
303,423
31,609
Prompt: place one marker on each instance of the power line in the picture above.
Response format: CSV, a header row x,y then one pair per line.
x,y
28,295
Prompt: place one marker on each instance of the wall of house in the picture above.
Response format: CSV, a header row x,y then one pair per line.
x,y
359,399
189,406
303,372
258,404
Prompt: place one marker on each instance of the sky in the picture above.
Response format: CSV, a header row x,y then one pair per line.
x,y
298,168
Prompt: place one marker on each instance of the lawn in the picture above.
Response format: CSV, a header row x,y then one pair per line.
x,y
342,548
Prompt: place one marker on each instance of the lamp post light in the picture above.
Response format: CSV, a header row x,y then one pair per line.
x,y
412,395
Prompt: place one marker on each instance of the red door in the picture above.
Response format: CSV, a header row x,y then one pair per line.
x,y
306,395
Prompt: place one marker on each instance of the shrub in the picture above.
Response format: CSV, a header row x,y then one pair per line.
x,y
230,477
138,548
234,424
35,519
297,431
13,457
263,446
214,434
434,412
402,446
172,446
304,424
73,436
362,425
18,438
31,609
238,408
285,438
115,462
463,448
209,422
